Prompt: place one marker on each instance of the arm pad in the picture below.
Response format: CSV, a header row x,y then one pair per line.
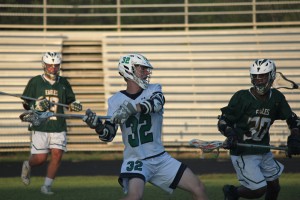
x,y
26,105
154,104
293,121
225,127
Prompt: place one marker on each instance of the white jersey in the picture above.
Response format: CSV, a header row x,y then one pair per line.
x,y
141,133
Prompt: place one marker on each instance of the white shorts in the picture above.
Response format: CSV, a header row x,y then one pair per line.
x,y
42,142
253,171
162,171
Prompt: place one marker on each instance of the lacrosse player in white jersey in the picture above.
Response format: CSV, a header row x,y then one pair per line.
x,y
138,111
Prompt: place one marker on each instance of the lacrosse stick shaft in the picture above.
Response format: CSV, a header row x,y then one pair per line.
x,y
31,99
262,146
204,145
77,116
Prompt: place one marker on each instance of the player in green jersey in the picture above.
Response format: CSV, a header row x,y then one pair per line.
x,y
49,137
247,119
138,111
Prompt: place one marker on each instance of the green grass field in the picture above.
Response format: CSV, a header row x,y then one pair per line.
x,y
107,187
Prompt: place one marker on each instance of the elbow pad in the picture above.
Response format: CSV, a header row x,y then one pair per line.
x,y
107,132
26,106
154,104
224,126
293,121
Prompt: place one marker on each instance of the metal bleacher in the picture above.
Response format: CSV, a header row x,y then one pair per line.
x,y
199,72
20,60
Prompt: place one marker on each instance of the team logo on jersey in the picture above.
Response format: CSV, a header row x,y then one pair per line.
x,y
263,111
51,92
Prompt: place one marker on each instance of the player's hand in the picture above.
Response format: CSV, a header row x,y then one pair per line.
x,y
231,140
91,119
75,106
293,143
42,105
123,113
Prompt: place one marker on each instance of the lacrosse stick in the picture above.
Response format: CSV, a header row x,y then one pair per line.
x,y
262,146
32,99
37,118
207,147
282,82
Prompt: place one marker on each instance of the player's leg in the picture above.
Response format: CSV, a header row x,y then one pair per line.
x,y
54,163
191,183
171,174
135,189
253,183
273,189
271,169
56,156
231,192
39,153
57,147
133,177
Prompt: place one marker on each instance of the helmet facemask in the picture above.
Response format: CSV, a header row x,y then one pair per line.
x,y
51,63
263,74
261,82
51,70
142,75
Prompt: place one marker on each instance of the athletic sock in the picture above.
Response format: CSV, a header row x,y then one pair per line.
x,y
48,181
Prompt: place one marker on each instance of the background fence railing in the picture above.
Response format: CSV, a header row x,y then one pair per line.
x,y
154,15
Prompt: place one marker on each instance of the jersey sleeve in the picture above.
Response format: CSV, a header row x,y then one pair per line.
x,y
29,91
284,109
232,111
70,96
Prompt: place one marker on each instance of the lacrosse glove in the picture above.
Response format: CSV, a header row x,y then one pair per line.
x,y
92,120
231,140
105,133
293,143
75,106
123,113
42,105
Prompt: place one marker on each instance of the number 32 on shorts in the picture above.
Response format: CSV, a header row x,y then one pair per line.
x,y
134,165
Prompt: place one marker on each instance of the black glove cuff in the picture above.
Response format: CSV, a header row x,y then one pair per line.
x,y
99,128
230,132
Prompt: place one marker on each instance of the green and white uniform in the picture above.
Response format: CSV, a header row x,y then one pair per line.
x,y
251,119
144,155
59,92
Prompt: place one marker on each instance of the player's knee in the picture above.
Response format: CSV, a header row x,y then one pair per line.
x,y
37,159
273,187
259,192
198,190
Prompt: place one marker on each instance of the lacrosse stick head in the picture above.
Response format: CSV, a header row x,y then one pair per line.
x,y
206,146
282,81
34,117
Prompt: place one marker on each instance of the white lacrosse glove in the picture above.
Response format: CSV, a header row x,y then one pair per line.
x,y
75,106
91,119
123,113
42,105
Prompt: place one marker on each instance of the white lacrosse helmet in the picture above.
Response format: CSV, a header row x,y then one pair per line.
x,y
127,68
51,62
260,67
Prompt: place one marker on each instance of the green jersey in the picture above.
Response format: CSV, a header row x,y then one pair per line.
x,y
252,118
60,92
